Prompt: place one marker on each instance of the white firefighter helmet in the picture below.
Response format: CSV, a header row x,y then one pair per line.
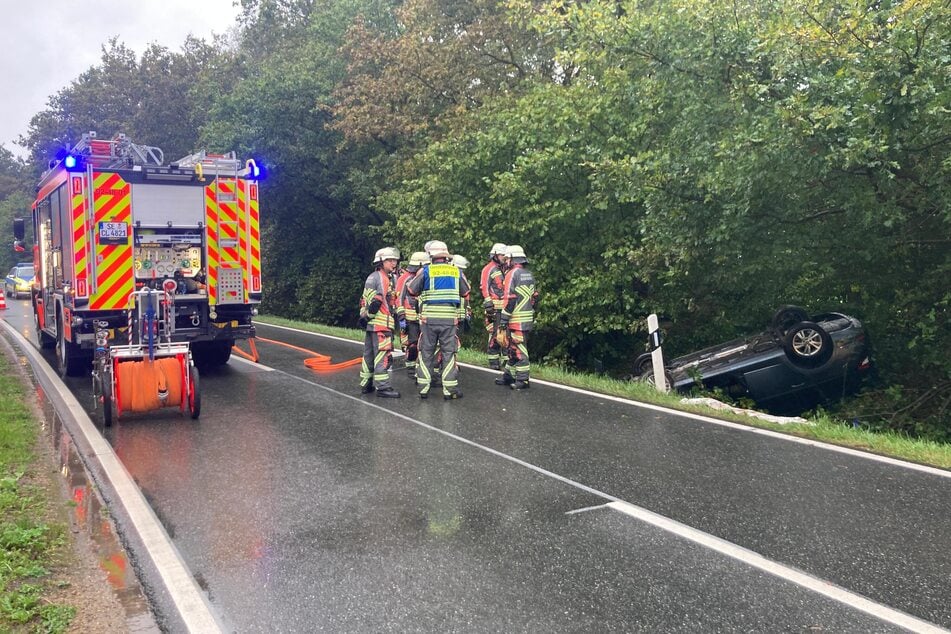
x,y
428,247
386,253
460,261
497,249
438,249
419,258
516,254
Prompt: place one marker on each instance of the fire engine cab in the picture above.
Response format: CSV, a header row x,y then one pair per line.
x,y
111,218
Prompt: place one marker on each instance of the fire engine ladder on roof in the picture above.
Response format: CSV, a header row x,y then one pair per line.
x,y
119,151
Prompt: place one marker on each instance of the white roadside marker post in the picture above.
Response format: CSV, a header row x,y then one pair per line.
x,y
657,355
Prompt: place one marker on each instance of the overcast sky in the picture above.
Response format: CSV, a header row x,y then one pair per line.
x,y
49,43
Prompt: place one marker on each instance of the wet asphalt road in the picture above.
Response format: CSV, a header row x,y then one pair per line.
x,y
302,506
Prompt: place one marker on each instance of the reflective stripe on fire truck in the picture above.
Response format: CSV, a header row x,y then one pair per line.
x,y
248,202
77,192
114,271
221,211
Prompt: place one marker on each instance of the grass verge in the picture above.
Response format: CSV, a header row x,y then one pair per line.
x,y
30,544
824,428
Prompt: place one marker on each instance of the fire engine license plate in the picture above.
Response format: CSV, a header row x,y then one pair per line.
x,y
113,233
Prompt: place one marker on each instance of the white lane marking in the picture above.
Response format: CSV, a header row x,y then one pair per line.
x,y
777,569
179,583
252,364
944,473
596,507
707,540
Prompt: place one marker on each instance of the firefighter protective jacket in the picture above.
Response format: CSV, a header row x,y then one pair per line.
x,y
491,285
406,307
440,287
519,295
376,302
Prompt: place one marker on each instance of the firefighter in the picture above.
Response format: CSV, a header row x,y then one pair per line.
x,y
377,307
407,312
519,298
490,284
441,289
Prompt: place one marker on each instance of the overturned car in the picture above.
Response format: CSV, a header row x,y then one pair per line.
x,y
799,361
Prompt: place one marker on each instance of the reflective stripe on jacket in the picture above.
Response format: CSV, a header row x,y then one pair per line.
x,y
491,284
377,286
519,310
407,303
440,287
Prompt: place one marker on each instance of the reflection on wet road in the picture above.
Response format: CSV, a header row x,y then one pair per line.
x,y
302,506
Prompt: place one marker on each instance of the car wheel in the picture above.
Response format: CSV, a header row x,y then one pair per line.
x,y
643,363
648,377
807,344
786,317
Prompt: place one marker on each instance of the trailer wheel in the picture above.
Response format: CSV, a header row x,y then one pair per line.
x,y
194,393
107,413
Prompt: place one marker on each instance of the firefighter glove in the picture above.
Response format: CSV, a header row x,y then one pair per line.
x,y
502,337
374,306
362,322
467,323
402,324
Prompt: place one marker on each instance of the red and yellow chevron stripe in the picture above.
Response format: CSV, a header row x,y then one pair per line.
x,y
80,228
224,241
248,203
112,202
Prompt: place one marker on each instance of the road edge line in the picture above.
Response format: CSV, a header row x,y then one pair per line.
x,y
180,586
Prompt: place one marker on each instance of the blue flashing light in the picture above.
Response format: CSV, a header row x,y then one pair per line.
x,y
73,163
256,171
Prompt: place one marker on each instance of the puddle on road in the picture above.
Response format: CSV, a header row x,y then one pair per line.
x,y
89,515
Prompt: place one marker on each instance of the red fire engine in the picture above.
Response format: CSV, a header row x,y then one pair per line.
x,y
111,218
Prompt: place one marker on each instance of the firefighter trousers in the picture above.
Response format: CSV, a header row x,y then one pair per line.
x,y
442,336
411,346
377,358
518,362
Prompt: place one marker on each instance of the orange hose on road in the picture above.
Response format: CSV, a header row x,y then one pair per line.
x,y
319,362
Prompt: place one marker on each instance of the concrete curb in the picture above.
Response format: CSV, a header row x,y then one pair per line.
x,y
181,605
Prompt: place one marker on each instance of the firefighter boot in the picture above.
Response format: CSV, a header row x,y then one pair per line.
x,y
452,395
387,392
367,389
520,385
505,379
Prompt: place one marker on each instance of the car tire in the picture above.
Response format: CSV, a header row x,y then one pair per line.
x,y
807,344
642,364
786,317
648,377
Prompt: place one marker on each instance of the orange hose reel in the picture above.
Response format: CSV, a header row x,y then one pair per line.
x,y
146,385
